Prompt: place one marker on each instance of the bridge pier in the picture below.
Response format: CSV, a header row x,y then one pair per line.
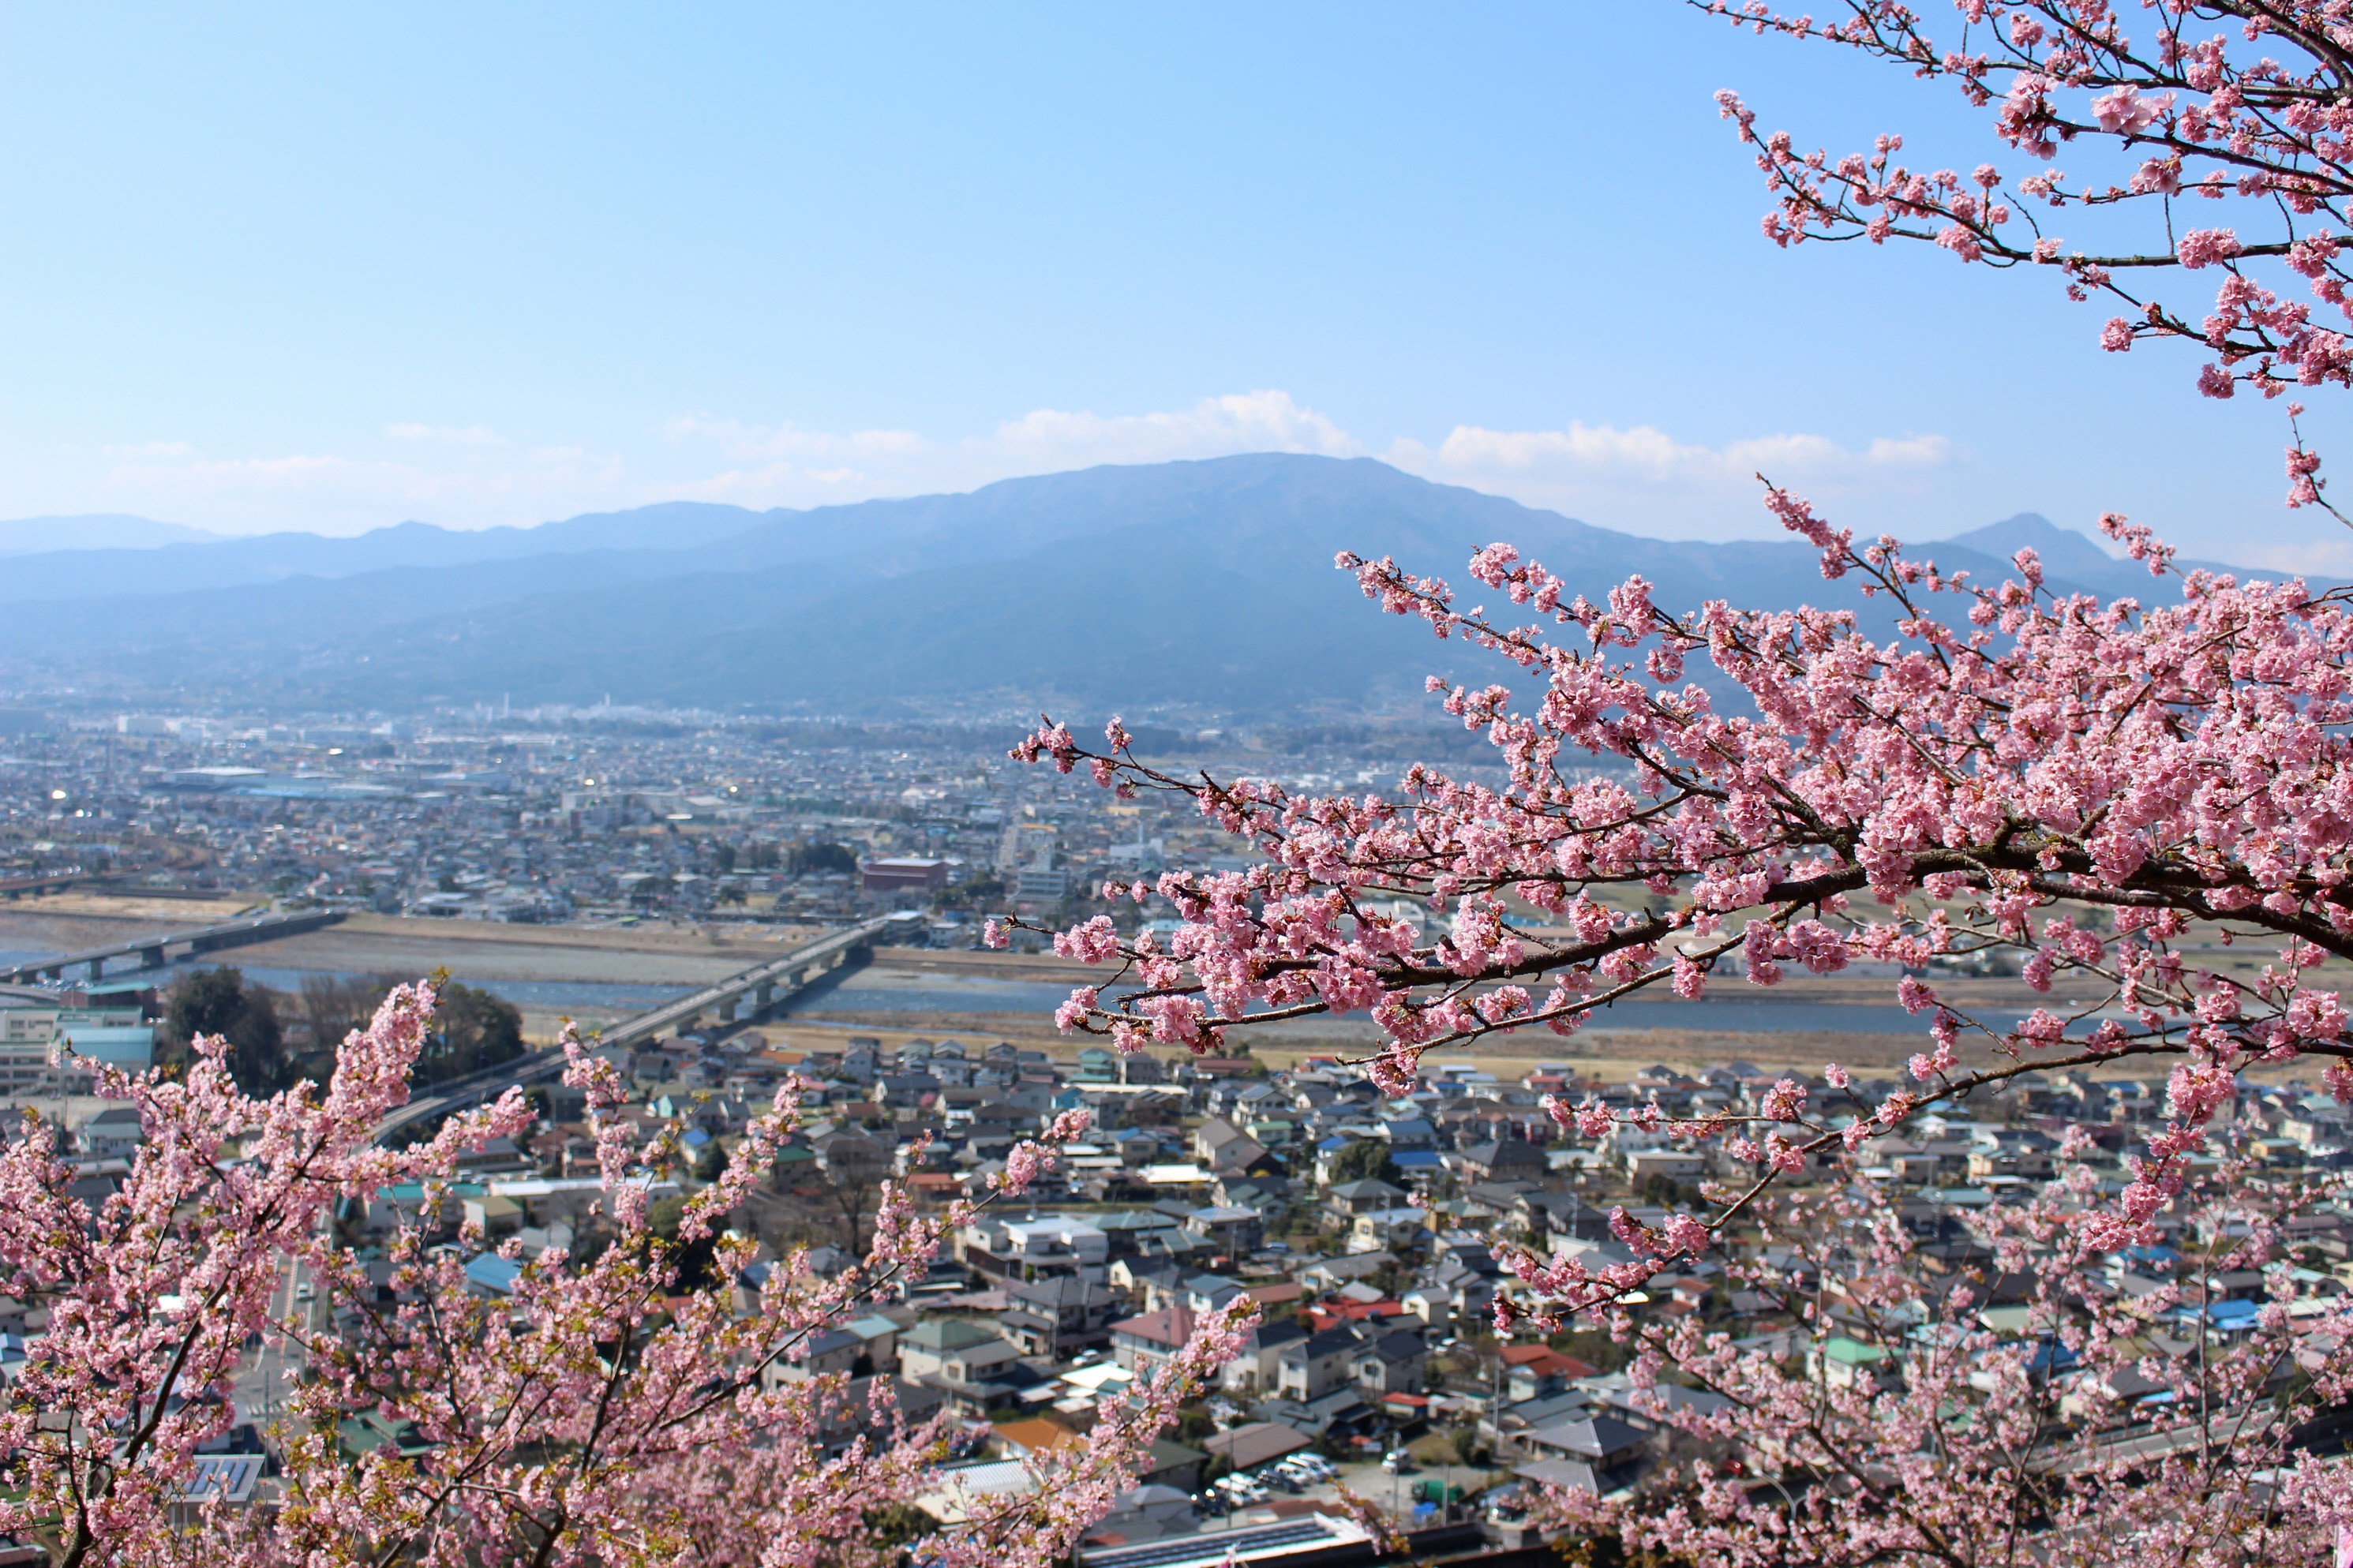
x,y
727,1011
764,995
153,950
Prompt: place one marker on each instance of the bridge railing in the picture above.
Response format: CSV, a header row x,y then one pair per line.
x,y
153,950
479,1086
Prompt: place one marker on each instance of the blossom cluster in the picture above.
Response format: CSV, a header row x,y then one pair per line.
x,y
2241,107
607,1410
1874,1415
2080,784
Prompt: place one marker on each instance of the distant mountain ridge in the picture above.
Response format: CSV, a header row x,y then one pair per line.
x,y
1207,583
2075,557
174,564
96,531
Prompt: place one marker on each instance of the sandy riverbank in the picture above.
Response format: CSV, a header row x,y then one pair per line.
x,y
596,974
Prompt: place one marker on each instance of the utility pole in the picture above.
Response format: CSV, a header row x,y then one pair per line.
x,y
1495,1404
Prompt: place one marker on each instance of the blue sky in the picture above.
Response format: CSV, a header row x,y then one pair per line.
x,y
333,268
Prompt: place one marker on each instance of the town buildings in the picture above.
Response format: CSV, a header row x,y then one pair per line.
x,y
1202,1182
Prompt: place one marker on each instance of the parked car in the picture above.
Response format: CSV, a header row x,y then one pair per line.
x,y
1312,1467
1396,1462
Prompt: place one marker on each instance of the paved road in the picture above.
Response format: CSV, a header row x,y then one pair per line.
x,y
270,1373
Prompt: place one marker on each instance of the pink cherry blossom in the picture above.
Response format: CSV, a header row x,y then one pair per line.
x,y
2021,758
2164,116
600,1412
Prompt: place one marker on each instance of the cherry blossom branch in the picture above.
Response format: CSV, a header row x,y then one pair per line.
x,y
2261,121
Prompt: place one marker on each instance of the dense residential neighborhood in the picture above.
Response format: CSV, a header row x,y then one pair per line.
x,y
581,814
1375,1235
1372,1232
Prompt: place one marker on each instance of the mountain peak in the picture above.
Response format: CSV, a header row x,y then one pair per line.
x,y
2065,551
946,604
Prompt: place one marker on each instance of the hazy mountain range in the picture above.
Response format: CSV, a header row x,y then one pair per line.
x,y
96,531
1208,584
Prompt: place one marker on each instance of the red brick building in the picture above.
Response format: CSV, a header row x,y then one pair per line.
x,y
904,874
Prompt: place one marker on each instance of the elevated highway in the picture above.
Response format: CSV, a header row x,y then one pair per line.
x,y
154,952
762,985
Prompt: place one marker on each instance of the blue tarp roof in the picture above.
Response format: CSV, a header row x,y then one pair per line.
x,y
494,1273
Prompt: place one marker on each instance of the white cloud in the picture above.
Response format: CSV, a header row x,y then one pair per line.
x,y
1214,427
1641,480
1645,480
2320,560
329,493
446,436
787,442
786,466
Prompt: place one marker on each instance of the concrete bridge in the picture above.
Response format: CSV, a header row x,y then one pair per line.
x,y
747,993
154,952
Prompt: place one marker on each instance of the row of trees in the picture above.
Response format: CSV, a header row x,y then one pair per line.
x,y
472,1029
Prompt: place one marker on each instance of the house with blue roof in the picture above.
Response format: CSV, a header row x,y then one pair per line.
x,y
1408,1131
488,1274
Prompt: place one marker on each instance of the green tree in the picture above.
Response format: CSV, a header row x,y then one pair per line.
x,y
691,1259
472,1030
817,859
896,1524
219,1002
709,1163
1367,1158
982,890
1666,1191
